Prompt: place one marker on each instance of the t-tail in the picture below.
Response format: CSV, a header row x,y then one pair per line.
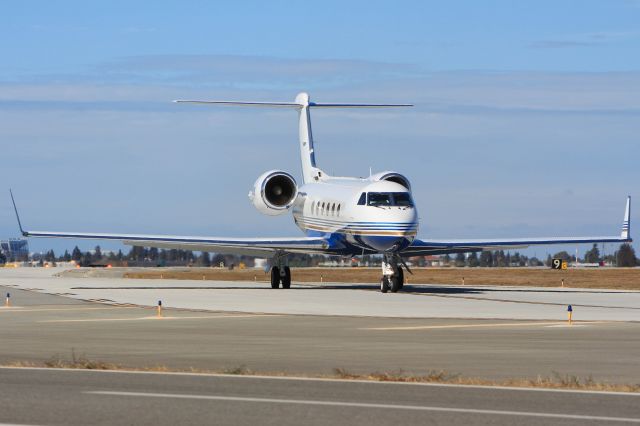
x,y
310,172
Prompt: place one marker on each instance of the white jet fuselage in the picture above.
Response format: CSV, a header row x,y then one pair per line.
x,y
383,220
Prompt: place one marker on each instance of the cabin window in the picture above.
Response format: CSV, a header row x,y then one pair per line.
x,y
363,199
333,209
338,210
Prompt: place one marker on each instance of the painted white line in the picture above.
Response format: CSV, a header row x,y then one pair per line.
x,y
369,405
67,309
565,326
512,324
322,379
156,318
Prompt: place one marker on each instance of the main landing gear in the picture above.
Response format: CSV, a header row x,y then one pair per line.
x,y
392,275
280,273
280,276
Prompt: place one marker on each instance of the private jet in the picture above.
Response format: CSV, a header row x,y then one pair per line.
x,y
339,216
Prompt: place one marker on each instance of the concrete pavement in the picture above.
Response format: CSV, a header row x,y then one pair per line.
x,y
417,301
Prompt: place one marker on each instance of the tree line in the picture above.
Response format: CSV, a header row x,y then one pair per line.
x,y
142,256
625,256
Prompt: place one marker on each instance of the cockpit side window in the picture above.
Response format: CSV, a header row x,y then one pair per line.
x,y
363,199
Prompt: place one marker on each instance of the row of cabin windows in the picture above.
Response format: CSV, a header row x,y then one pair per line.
x,y
325,209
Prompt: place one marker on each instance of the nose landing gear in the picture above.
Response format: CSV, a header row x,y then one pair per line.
x,y
392,275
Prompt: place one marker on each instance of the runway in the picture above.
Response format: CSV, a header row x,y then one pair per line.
x,y
330,299
81,397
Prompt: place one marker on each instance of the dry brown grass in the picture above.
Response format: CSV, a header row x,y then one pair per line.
x,y
556,381
613,278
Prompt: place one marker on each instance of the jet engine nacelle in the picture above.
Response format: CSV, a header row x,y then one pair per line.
x,y
274,192
393,177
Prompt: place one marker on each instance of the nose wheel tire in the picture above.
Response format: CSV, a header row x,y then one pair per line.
x,y
286,279
385,285
275,277
396,284
400,275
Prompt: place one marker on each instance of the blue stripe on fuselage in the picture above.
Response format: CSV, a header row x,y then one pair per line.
x,y
354,245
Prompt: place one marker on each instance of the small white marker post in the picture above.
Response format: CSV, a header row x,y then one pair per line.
x,y
570,312
159,308
7,301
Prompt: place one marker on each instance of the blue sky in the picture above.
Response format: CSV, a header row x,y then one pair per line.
x,y
526,120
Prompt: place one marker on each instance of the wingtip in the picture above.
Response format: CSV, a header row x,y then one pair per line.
x,y
15,209
626,221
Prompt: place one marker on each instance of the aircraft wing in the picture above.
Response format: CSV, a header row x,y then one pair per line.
x,y
263,247
432,247
244,246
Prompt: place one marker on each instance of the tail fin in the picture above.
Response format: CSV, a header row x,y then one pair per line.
x,y
310,172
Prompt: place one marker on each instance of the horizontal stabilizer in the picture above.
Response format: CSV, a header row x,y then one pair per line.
x,y
301,103
256,104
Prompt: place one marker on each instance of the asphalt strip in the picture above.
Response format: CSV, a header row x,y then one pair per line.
x,y
368,405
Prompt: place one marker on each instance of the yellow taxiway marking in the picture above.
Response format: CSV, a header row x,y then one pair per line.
x,y
21,309
155,317
511,324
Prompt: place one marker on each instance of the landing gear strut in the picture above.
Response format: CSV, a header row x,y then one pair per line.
x,y
280,273
392,275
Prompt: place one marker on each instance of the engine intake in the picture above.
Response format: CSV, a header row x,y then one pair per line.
x,y
393,177
274,192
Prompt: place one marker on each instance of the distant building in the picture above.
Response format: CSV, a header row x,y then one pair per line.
x,y
15,248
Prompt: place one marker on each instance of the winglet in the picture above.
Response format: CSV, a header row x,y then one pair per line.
x,y
22,231
626,223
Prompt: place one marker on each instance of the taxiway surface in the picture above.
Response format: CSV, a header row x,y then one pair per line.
x,y
41,327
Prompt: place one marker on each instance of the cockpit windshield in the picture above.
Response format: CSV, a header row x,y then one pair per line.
x,y
389,199
402,199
